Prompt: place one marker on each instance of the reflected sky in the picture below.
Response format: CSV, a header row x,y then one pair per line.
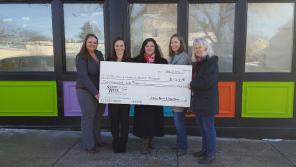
x,y
37,17
265,19
31,17
77,14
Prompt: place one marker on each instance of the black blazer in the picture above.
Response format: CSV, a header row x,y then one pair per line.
x,y
204,86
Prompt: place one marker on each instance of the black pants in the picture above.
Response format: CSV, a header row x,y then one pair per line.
x,y
119,119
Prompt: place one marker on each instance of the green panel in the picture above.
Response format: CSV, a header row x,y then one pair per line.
x,y
268,99
28,98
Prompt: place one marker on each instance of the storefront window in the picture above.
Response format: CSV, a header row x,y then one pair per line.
x,y
81,19
215,23
26,37
158,21
269,37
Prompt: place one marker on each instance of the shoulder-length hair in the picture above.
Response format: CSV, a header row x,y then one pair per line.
x,y
156,51
182,45
83,50
203,42
113,54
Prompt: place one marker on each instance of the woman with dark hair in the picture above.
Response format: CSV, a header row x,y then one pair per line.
x,y
179,57
87,90
148,119
119,113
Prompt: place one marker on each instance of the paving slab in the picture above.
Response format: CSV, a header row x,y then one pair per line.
x,y
161,156
238,152
287,148
57,148
21,147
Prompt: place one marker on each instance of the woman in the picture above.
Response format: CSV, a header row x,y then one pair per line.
x,y
179,57
119,113
87,90
148,119
205,100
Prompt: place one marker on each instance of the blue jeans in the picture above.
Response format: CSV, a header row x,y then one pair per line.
x,y
181,130
208,133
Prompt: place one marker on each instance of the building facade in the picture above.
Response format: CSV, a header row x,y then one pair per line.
x,y
254,40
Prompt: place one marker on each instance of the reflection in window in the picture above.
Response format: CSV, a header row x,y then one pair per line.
x,y
158,21
81,19
215,22
269,37
26,37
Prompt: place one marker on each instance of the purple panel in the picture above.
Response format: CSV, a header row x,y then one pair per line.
x,y
71,105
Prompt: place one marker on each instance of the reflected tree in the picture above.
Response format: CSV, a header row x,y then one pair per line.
x,y
158,21
214,22
88,27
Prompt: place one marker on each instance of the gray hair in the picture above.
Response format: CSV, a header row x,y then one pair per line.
x,y
205,43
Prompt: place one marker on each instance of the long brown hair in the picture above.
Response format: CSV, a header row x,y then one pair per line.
x,y
83,50
182,45
113,54
156,51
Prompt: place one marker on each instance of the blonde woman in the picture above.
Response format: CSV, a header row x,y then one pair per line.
x,y
205,100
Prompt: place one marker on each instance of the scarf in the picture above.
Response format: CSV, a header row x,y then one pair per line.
x,y
149,58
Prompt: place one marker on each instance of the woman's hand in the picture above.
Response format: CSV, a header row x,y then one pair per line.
x,y
189,87
97,96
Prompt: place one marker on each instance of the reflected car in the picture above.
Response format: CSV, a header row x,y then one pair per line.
x,y
27,63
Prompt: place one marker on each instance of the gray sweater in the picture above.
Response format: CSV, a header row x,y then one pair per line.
x,y
181,59
88,72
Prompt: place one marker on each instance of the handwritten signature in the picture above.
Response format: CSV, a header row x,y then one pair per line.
x,y
164,98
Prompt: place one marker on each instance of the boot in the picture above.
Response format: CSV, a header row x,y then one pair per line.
x,y
115,145
150,143
145,149
122,146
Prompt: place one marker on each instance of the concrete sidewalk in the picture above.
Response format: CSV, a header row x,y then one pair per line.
x,y
54,148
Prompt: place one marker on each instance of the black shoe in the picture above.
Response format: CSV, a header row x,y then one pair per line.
x,y
115,145
175,148
122,147
92,151
102,144
181,152
200,153
206,160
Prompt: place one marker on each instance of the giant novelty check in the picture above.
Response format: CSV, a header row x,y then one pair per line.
x,y
142,83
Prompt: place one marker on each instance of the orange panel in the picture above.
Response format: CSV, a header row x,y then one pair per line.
x,y
226,100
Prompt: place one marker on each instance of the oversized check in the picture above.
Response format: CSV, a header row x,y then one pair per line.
x,y
143,83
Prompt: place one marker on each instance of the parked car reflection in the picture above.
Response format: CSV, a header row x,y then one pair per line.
x,y
27,63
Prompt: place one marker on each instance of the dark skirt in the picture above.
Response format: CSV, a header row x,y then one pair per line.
x,y
148,121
